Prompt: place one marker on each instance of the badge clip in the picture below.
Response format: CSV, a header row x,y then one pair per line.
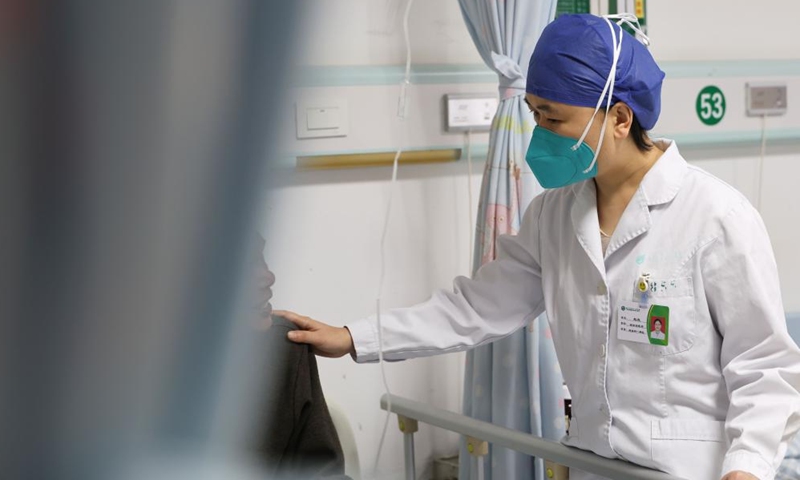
x,y
643,286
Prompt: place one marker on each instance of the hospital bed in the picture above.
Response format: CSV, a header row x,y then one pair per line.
x,y
557,457
479,434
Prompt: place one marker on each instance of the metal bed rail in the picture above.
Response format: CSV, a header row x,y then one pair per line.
x,y
479,434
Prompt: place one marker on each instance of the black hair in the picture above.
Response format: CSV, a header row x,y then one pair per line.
x,y
640,137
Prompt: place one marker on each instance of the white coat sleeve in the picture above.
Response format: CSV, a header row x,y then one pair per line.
x,y
760,361
504,295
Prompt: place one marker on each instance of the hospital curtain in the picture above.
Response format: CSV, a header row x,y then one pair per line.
x,y
515,382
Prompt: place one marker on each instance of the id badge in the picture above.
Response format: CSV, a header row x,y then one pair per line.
x,y
643,323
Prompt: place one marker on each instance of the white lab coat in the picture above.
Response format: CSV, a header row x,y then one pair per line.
x,y
657,335
722,396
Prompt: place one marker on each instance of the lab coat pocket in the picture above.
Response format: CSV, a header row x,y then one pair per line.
x,y
670,322
691,449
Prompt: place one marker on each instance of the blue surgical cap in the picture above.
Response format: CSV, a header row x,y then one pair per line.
x,y
572,60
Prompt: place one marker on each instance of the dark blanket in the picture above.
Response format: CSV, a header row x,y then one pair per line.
x,y
300,440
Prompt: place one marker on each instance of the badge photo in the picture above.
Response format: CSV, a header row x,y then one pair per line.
x,y
658,325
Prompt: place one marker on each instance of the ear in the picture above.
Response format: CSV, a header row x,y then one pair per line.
x,y
622,117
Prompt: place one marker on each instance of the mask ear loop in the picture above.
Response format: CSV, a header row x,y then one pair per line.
x,y
609,88
632,21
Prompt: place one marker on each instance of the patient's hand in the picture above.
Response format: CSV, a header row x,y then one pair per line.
x,y
325,340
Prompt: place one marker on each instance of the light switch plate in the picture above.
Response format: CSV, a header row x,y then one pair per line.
x,y
766,99
321,117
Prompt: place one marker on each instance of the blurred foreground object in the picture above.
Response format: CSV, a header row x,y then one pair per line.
x,y
133,136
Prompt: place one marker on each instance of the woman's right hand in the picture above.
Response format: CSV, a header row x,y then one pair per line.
x,y
325,340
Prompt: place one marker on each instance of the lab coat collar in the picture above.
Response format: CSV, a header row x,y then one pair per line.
x,y
661,184
586,224
635,221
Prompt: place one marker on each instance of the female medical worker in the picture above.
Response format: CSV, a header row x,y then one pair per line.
x,y
628,233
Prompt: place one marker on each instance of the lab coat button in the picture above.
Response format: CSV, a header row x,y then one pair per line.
x,y
601,288
602,350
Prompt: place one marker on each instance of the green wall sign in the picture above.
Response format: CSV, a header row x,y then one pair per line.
x,y
636,7
710,105
572,6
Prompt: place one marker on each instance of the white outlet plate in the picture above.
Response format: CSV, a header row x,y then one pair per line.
x,y
470,111
765,99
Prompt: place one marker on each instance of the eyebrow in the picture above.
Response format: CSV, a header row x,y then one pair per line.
x,y
541,108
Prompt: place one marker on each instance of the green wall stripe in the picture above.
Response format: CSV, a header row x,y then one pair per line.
x,y
780,136
687,140
342,76
745,68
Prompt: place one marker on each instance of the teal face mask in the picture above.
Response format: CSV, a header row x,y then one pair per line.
x,y
557,160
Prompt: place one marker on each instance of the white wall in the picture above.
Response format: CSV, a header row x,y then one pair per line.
x,y
324,227
691,30
369,32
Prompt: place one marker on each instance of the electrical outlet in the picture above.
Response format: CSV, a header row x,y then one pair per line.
x,y
471,111
765,99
